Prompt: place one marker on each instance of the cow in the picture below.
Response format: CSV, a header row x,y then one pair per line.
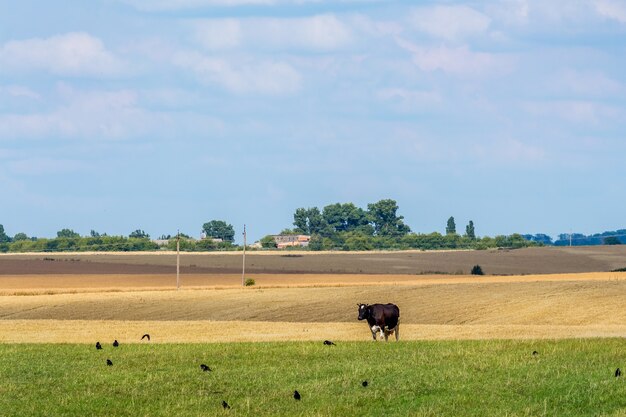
x,y
383,318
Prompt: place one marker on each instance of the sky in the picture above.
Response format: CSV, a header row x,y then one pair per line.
x,y
159,115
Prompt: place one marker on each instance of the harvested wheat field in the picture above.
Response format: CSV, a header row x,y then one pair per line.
x,y
432,307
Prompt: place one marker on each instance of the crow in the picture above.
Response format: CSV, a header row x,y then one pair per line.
x,y
98,345
365,384
205,368
618,372
328,343
535,353
296,395
115,343
109,363
145,336
225,405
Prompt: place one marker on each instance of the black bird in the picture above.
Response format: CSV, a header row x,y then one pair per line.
x,y
145,336
205,368
98,345
365,384
296,395
328,343
618,372
535,353
115,343
109,363
225,405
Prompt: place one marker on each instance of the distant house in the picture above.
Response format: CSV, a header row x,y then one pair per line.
x,y
284,241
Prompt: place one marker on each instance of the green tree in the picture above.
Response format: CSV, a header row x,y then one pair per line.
x,y
268,242
219,229
310,221
20,236
4,238
347,218
386,221
139,234
67,233
611,240
451,226
469,230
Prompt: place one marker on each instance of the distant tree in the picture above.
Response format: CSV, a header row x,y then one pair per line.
x,y
139,234
386,222
347,218
288,232
20,236
611,240
477,270
316,243
93,233
4,238
451,226
469,230
219,229
67,233
268,242
310,221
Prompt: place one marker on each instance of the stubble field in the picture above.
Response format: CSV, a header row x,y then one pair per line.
x,y
466,341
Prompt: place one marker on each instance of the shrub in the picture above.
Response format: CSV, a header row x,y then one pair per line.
x,y
249,282
477,270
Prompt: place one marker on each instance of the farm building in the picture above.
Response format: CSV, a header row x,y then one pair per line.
x,y
284,241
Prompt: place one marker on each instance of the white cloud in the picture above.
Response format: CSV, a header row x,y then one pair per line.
x,y
459,61
321,32
449,22
41,166
90,115
575,111
265,77
19,91
588,83
410,100
611,9
508,151
73,54
170,5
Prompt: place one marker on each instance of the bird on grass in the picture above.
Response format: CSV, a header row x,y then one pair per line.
x,y
535,353
225,405
109,363
204,368
296,395
329,343
98,346
618,372
365,384
146,336
116,343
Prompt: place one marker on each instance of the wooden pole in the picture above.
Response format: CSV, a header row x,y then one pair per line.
x,y
243,269
178,259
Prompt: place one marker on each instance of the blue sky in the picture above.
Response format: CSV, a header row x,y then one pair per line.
x,y
117,115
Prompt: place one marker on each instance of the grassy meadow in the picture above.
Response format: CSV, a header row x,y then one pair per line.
x,y
446,378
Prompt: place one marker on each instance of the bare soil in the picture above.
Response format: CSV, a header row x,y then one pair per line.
x,y
546,260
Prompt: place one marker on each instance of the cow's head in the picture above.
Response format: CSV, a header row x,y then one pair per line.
x,y
364,311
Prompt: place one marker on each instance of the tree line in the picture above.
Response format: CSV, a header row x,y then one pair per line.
x,y
348,227
219,236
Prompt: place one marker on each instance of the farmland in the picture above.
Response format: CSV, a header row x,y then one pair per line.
x,y
461,334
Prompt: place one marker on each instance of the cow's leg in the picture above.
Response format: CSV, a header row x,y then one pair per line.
x,y
375,330
386,333
397,331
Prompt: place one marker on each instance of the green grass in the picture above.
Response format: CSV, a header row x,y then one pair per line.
x,y
464,378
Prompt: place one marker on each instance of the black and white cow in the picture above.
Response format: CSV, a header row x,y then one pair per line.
x,y
383,318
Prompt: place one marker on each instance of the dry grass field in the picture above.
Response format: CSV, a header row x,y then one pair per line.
x,y
86,297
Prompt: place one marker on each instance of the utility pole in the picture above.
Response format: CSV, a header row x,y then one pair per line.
x,y
570,238
178,259
243,269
